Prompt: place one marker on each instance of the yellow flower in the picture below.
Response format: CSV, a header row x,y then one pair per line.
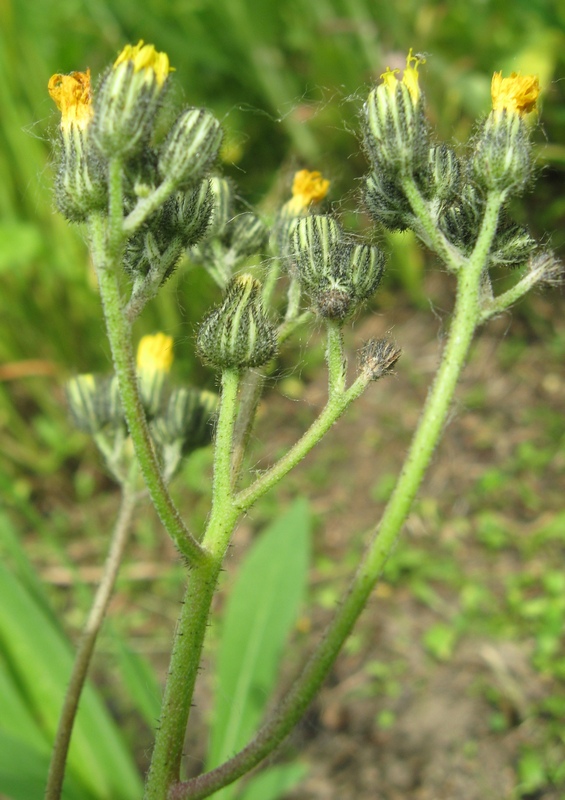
x,y
73,98
516,95
307,187
145,57
409,77
155,353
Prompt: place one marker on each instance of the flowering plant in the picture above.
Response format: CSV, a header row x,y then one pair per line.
x,y
146,203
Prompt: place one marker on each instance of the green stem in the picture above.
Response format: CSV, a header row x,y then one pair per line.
x,y
147,206
499,304
119,335
425,439
433,237
87,642
107,239
335,357
334,408
192,625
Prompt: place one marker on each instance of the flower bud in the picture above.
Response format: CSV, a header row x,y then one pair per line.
x,y
377,358
187,419
386,203
461,220
245,235
189,214
154,359
237,334
80,187
512,246
128,98
94,402
365,271
442,177
314,248
191,147
308,189
222,204
395,132
502,157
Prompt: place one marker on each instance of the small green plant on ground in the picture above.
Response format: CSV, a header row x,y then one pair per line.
x,y
145,197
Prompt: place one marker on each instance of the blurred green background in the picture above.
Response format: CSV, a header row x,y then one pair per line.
x,y
287,79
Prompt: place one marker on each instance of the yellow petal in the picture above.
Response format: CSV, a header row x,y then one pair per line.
x,y
155,353
72,97
145,56
517,94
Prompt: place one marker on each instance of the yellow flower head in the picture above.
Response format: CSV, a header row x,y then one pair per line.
x,y
516,95
409,77
145,57
307,187
155,353
73,98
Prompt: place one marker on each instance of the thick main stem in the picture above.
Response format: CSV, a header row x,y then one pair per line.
x,y
428,432
87,643
192,625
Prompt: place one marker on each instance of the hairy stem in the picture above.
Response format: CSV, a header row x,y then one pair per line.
x,y
87,642
192,625
426,437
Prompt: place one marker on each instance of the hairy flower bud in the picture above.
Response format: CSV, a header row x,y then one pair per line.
x,y
191,147
245,235
314,249
237,334
187,419
338,274
502,157
128,98
378,357
442,177
80,187
365,271
386,203
394,127
94,402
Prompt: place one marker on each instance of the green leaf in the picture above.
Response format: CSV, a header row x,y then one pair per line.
x,y
23,770
140,681
40,659
273,782
259,615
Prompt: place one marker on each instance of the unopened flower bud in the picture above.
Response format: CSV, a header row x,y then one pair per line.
x,y
395,133
365,270
512,247
502,158
245,235
187,419
386,203
378,357
94,402
190,214
237,334
442,177
128,99
191,147
222,204
314,249
154,359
